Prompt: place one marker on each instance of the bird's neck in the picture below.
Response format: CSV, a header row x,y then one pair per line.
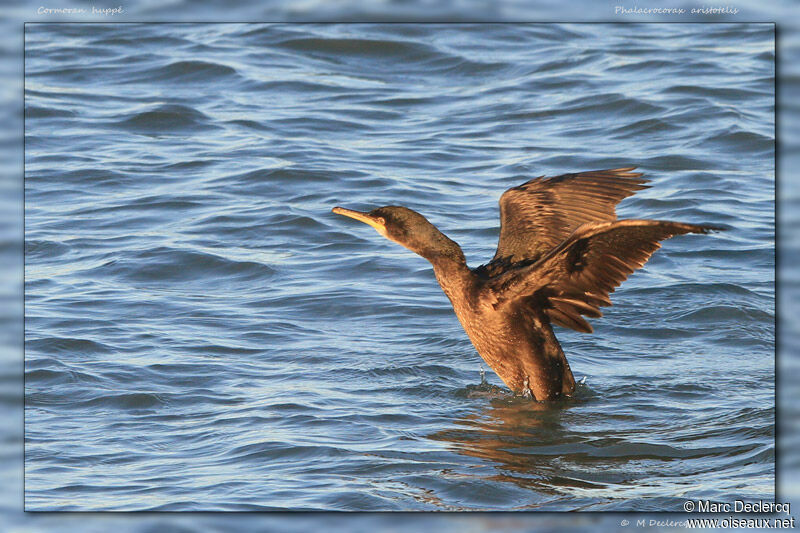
x,y
440,249
450,268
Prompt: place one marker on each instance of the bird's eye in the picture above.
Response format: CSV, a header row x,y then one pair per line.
x,y
381,221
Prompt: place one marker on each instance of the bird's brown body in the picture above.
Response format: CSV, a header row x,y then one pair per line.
x,y
517,343
562,251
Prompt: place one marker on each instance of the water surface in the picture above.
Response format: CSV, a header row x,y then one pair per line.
x,y
203,334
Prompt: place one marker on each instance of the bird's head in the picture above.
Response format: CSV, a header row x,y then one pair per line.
x,y
408,228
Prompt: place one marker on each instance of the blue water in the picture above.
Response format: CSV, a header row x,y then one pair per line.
x,y
203,334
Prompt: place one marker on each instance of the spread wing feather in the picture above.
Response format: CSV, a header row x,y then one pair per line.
x,y
577,277
538,215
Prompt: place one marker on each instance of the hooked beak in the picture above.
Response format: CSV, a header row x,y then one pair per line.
x,y
376,222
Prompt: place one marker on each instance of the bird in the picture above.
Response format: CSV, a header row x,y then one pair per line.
x,y
561,253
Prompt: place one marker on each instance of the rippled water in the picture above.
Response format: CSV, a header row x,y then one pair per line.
x,y
203,334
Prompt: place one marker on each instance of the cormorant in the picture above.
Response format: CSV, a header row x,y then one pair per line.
x,y
561,252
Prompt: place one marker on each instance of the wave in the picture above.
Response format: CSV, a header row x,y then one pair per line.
x,y
168,265
167,118
192,70
67,345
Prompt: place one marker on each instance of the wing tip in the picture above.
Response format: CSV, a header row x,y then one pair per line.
x,y
622,173
703,229
711,228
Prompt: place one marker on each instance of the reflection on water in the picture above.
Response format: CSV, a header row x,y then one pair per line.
x,y
560,452
515,434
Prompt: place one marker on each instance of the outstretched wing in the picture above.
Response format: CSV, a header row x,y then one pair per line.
x,y
577,277
537,216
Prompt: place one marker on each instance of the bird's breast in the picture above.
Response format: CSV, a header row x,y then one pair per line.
x,y
516,345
